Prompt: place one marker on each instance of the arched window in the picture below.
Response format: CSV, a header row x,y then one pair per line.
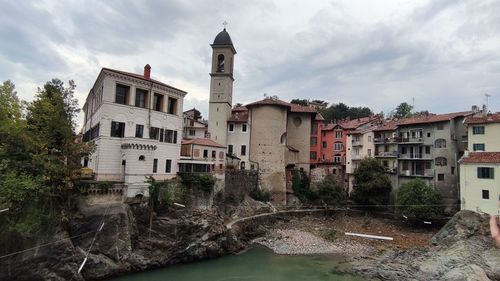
x,y
441,161
142,158
283,138
242,165
440,143
220,63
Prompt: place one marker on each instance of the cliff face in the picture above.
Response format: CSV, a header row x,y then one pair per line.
x,y
462,250
125,244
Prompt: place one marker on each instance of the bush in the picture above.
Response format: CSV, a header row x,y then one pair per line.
x,y
417,199
198,182
371,184
260,195
329,191
301,188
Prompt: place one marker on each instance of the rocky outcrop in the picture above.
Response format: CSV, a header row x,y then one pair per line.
x,y
462,250
125,244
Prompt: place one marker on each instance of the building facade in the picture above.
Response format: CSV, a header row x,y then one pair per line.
x,y
202,156
194,126
136,124
480,166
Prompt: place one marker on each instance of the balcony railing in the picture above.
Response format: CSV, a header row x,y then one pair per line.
x,y
356,142
414,156
408,173
410,140
387,154
385,140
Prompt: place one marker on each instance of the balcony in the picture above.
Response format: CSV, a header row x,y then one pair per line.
x,y
357,143
415,156
408,173
356,157
387,154
410,140
384,140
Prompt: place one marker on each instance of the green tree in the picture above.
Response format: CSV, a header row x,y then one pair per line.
x,y
419,200
330,191
303,102
10,106
371,184
300,186
403,110
340,111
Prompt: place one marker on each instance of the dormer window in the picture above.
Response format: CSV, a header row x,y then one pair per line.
x,y
220,63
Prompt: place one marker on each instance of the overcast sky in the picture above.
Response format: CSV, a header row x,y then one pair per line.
x,y
444,55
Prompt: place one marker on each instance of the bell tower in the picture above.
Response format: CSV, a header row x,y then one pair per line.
x,y
221,87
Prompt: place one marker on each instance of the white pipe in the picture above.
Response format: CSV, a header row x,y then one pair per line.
x,y
179,205
83,263
369,236
4,210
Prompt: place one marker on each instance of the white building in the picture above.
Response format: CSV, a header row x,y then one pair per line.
x,y
480,166
194,126
136,125
238,137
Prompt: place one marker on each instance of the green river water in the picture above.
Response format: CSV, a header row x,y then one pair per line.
x,y
254,265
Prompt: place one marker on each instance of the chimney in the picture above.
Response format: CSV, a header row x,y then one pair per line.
x,y
147,71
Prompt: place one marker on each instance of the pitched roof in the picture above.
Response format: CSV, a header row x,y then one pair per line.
x,y
481,157
239,114
319,117
204,142
387,126
432,118
291,106
355,123
490,118
138,76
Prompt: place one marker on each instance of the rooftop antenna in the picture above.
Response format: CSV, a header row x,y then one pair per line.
x,y
413,102
487,99
224,24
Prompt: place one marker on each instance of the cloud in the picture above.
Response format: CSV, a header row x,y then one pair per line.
x,y
442,54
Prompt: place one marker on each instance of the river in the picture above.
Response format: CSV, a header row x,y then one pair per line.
x,y
254,265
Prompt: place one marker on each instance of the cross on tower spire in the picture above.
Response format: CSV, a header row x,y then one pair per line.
x,y
224,24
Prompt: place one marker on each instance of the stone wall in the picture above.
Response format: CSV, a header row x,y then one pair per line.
x,y
240,182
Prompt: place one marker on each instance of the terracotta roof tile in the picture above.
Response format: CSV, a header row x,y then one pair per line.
x,y
355,123
432,118
481,157
387,126
301,108
490,118
293,107
205,142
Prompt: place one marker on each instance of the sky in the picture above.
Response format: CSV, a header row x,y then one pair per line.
x,y
439,55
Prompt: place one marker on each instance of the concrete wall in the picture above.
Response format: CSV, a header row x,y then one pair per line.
x,y
268,147
471,189
490,137
240,182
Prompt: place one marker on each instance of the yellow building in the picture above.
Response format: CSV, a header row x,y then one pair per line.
x,y
480,167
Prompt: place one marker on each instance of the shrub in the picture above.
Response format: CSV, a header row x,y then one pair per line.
x,y
417,199
260,195
329,191
371,184
198,182
301,188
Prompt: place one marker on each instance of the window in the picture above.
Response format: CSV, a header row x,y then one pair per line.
x,y
336,159
369,153
452,170
440,143
403,150
313,155
231,127
214,154
139,131
220,63
205,153
324,144
314,140
142,158
428,165
221,155
141,98
338,134
230,149
486,194
243,150
153,133
242,165
85,162
356,151
117,129
441,161
478,130
478,147
155,165
369,138
192,132
440,177
162,135
243,127
427,149
172,106
485,173
158,102
337,146
121,95
168,166
428,134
